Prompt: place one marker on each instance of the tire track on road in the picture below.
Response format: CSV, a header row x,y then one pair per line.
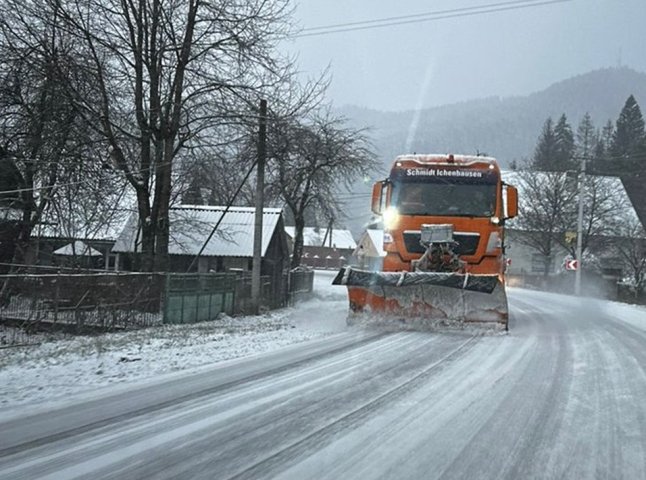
x,y
322,436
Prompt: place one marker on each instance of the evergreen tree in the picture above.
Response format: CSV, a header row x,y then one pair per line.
x,y
586,137
628,137
546,150
565,146
607,133
598,166
600,153
587,142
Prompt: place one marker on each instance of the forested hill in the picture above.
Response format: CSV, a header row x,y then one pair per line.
x,y
506,128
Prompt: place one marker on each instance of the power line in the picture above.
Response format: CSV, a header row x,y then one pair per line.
x,y
417,16
426,17
89,179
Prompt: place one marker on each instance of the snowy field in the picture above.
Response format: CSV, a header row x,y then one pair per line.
x,y
62,365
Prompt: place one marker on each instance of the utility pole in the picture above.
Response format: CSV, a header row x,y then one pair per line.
x,y
260,190
579,229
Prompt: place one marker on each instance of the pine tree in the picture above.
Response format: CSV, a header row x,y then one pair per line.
x,y
565,146
587,142
586,137
600,152
545,153
598,164
606,136
629,135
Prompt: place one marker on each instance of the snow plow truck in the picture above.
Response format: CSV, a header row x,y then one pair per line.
x,y
444,264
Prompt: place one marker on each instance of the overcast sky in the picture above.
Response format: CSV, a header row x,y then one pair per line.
x,y
432,63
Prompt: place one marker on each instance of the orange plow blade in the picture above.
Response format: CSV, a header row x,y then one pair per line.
x,y
424,299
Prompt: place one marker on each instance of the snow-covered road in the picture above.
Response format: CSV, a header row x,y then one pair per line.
x,y
561,396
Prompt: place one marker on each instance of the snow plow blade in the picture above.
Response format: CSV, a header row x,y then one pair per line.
x,y
425,299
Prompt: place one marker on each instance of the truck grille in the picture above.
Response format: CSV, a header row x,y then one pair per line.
x,y
467,243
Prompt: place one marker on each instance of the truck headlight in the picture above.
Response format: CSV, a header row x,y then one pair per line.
x,y
390,217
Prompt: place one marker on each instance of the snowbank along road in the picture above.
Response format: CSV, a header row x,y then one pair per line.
x,y
561,396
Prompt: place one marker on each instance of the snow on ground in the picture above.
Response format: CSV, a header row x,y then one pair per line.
x,y
635,315
62,366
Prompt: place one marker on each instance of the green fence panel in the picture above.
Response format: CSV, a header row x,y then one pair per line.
x,y
201,297
173,312
204,308
229,302
216,304
197,298
189,312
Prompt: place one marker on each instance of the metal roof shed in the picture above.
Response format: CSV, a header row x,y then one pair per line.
x,y
230,247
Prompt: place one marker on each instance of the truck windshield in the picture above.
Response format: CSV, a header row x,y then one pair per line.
x,y
444,199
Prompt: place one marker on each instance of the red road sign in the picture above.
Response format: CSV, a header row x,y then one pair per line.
x,y
571,264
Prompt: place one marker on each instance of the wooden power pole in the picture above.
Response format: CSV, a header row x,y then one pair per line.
x,y
260,190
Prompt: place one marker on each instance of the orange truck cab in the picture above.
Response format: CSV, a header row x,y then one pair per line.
x,y
464,191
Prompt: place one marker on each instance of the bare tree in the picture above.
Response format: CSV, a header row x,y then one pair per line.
x,y
548,209
604,208
311,162
547,204
167,72
217,171
42,131
631,247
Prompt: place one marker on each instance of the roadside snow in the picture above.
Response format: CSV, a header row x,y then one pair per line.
x,y
635,315
71,365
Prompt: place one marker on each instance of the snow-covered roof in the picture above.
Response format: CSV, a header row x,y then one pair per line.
x,y
372,241
313,237
79,249
190,226
434,157
99,231
100,222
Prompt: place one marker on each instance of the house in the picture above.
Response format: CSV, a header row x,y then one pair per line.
x,y
370,252
325,248
227,249
52,245
51,250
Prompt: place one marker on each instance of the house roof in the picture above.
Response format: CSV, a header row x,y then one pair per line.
x,y
636,191
313,237
79,249
191,225
106,226
372,241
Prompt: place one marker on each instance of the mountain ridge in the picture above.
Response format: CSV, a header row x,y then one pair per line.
x,y
504,127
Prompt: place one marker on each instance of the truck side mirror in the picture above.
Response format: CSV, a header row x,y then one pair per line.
x,y
377,198
512,201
